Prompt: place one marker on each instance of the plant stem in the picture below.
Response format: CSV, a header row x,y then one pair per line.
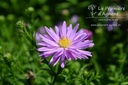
x,y
54,79
50,67
59,70
13,76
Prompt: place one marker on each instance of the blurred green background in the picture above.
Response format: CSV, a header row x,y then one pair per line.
x,y
19,61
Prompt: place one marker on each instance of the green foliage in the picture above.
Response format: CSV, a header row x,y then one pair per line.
x,y
19,61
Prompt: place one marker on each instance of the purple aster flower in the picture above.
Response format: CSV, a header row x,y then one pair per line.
x,y
74,19
42,31
111,10
111,24
65,43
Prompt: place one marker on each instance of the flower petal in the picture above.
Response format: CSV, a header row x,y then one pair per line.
x,y
53,51
76,28
52,34
64,29
48,41
63,61
55,58
85,52
46,49
73,33
67,54
69,30
57,30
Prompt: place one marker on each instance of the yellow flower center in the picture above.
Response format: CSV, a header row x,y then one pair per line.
x,y
64,42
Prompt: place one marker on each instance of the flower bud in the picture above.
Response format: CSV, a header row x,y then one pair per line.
x,y
8,59
99,31
10,17
120,45
85,73
66,71
30,78
65,11
29,11
89,33
20,24
2,18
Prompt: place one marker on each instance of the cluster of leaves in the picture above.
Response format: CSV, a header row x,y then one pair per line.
x,y
19,61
